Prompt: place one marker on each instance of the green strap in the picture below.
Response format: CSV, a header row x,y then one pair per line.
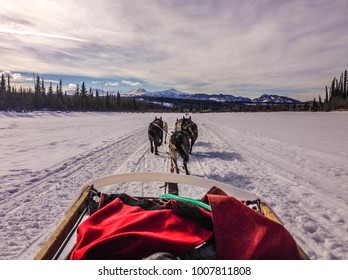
x,y
187,199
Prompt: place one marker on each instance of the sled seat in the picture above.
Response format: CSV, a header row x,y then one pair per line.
x,y
218,226
126,227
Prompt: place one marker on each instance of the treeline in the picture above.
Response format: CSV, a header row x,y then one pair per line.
x,y
83,99
206,106
53,99
336,95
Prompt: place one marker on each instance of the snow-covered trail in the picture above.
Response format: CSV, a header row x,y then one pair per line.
x,y
32,203
53,190
304,186
34,194
302,178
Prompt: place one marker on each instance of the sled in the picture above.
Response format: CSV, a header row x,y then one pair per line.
x,y
62,242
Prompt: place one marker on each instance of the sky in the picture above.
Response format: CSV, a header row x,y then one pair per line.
x,y
245,48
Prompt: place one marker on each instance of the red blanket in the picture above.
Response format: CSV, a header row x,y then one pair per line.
x,y
120,231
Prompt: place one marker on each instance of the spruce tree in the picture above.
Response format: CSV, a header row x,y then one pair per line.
x,y
3,84
60,89
37,94
8,84
345,93
43,93
118,99
50,100
321,107
84,103
37,85
3,92
315,105
43,89
83,89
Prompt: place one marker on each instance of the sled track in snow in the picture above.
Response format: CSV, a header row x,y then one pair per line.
x,y
109,157
277,171
212,155
61,184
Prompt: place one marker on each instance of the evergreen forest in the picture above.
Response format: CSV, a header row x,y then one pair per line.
x,y
52,98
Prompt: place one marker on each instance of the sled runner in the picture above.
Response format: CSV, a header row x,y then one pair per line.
x,y
226,223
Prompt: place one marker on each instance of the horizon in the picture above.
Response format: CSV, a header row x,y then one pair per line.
x,y
127,88
291,48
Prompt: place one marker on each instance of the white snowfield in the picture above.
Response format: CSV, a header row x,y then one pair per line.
x,y
297,162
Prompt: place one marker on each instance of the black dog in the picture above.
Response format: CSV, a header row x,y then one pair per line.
x,y
179,145
192,130
155,133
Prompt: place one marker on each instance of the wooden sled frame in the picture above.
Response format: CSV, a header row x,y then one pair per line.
x,y
55,244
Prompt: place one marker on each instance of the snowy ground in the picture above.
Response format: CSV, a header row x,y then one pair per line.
x,y
297,162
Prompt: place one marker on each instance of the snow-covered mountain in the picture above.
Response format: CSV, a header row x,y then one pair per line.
x,y
265,98
221,97
176,94
171,93
136,92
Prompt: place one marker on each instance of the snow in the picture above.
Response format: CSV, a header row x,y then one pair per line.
x,y
297,162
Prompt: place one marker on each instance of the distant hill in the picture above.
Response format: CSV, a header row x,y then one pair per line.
x,y
265,98
176,94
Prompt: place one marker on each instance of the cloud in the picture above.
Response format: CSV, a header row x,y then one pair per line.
x,y
37,34
18,78
198,46
112,84
72,86
7,74
52,81
130,83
